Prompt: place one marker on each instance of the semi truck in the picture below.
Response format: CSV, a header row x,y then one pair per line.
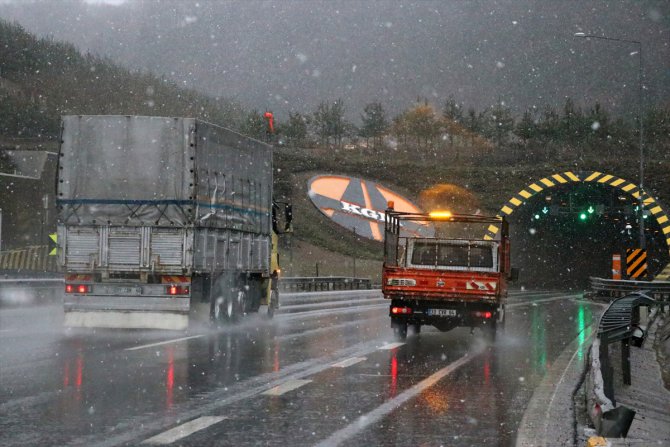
x,y
165,219
457,277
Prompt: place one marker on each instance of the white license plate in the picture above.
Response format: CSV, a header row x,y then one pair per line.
x,y
442,312
128,290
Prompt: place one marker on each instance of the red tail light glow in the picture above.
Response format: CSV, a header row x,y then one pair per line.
x,y
77,288
401,310
485,315
177,290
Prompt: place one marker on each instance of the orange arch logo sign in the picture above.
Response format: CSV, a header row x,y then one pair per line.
x,y
359,205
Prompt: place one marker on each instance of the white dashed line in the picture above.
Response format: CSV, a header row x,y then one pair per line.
x,y
348,362
184,430
286,387
135,348
389,346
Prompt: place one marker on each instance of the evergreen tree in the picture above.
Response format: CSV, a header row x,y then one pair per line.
x,y
526,128
295,129
374,122
254,126
452,110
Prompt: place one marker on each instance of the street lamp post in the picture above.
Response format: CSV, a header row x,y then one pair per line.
x,y
640,74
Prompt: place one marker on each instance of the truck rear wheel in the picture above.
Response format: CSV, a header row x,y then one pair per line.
x,y
490,330
399,330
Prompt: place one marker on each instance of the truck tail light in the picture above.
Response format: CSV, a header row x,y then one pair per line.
x,y
396,310
177,290
486,314
77,288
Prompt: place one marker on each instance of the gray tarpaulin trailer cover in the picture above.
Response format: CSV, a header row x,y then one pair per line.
x,y
159,171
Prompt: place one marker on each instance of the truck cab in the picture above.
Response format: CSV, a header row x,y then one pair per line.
x,y
456,277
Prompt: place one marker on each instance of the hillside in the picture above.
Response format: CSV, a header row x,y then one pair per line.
x,y
40,79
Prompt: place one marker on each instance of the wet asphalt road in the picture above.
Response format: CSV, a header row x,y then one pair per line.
x,y
274,383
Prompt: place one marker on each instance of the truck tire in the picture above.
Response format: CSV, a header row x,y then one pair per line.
x,y
274,303
228,306
400,330
490,330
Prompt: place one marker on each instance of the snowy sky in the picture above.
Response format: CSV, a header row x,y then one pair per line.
x,y
291,55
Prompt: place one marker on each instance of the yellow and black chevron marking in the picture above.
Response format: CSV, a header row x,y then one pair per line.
x,y
586,177
664,275
33,258
636,263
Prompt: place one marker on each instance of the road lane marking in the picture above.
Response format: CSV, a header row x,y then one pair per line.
x,y
184,430
286,387
135,348
545,300
544,418
214,401
348,362
306,332
329,312
389,346
387,407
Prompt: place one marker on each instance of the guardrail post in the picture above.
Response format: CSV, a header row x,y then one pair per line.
x,y
625,360
606,370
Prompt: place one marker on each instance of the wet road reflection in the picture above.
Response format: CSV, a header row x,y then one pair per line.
x,y
120,388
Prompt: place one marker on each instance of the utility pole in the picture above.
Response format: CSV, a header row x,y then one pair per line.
x,y
640,77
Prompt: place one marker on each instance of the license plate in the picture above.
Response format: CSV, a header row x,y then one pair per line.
x,y
442,312
128,290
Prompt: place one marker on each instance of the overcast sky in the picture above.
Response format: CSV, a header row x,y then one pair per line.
x,y
290,55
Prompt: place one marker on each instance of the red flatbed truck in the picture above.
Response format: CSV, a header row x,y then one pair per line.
x,y
456,278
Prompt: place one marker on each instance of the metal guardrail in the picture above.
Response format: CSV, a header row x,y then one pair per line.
x,y
618,323
323,283
601,287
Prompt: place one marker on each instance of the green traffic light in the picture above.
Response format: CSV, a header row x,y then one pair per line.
x,y
537,217
582,216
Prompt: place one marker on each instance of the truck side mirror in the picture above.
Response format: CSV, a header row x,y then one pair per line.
x,y
514,274
282,216
288,214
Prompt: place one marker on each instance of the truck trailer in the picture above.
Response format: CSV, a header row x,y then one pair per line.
x,y
457,277
164,218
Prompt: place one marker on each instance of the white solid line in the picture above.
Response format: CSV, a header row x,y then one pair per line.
x,y
387,407
348,362
286,387
184,430
135,348
389,346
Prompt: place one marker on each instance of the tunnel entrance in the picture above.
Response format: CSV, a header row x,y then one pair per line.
x,y
565,228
